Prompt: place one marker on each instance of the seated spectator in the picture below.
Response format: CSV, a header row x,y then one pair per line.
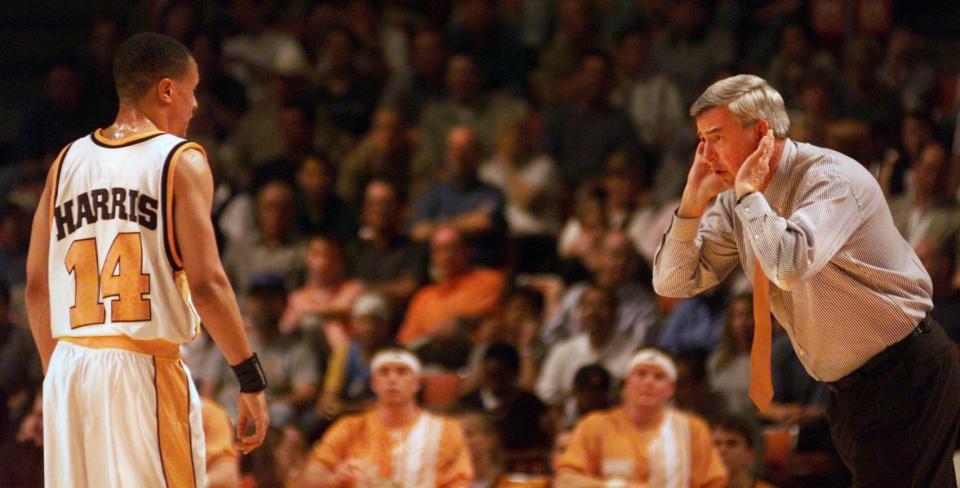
x,y
736,439
394,442
492,41
864,97
592,388
296,122
274,247
645,441
327,297
636,312
486,453
25,445
728,367
347,383
583,133
650,98
532,187
344,97
796,58
693,392
60,117
517,414
422,83
384,259
222,461
696,323
905,70
583,233
383,154
289,364
460,290
466,104
461,200
929,219
319,209
276,462
575,33
21,377
519,325
597,342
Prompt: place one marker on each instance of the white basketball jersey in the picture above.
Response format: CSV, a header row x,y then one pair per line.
x,y
115,267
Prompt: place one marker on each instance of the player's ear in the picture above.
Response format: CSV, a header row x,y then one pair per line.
x,y
165,89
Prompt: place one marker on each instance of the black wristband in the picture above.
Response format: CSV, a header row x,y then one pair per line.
x,y
250,375
745,195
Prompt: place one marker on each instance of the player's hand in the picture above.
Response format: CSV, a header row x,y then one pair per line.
x,y
251,407
754,170
703,183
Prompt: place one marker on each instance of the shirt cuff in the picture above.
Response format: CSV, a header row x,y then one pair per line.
x,y
683,229
752,207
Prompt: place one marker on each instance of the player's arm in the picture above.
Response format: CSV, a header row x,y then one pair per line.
x,y
211,291
37,293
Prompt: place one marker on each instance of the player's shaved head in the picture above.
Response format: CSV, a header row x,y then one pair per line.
x,y
144,59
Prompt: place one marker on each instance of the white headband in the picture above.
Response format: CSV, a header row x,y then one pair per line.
x,y
395,356
655,358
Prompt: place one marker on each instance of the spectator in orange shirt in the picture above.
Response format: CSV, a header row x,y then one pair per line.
x,y
222,463
394,444
461,290
645,442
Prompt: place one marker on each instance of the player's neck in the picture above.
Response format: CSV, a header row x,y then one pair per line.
x,y
130,121
398,416
646,416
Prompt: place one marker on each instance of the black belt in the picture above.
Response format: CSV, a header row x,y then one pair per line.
x,y
879,360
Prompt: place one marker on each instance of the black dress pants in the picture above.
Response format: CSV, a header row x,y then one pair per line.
x,y
895,421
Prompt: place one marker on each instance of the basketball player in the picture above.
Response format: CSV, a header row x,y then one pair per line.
x,y
122,257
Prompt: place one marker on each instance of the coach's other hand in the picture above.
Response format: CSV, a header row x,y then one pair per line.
x,y
703,183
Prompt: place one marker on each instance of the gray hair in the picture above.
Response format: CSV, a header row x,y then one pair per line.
x,y
750,98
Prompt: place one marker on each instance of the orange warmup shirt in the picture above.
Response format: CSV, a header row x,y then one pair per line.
x,y
474,293
364,437
609,437
217,432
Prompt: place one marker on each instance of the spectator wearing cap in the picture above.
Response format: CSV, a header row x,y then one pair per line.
x,y
644,442
347,380
289,364
395,442
518,414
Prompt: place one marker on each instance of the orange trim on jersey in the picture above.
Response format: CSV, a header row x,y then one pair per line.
x,y
126,141
171,171
55,189
154,347
173,423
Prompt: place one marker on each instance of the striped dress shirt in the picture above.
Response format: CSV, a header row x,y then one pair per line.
x,y
845,284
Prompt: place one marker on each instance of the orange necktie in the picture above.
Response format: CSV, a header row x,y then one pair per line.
x,y
761,383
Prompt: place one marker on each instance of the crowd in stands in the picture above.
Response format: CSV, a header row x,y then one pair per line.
x,y
484,184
